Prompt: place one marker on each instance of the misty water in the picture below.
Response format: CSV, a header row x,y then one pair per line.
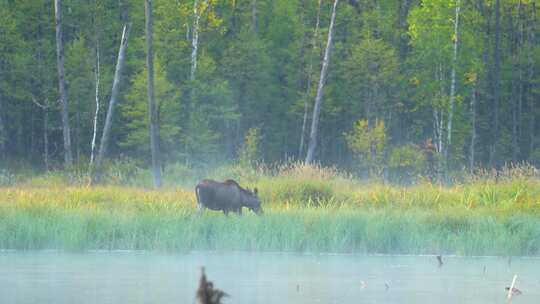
x,y
145,277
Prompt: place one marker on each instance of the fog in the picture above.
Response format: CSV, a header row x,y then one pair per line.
x,y
143,277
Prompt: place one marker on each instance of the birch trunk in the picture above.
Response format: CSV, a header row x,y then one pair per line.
x,y
68,157
104,143
315,45
439,145
154,129
452,85
439,112
195,39
473,129
94,133
318,99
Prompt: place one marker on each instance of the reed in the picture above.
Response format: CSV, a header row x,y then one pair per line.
x,y
307,209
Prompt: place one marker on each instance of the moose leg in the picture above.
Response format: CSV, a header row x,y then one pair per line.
x,y
239,210
226,212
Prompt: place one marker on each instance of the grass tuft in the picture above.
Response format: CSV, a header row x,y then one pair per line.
x,y
307,208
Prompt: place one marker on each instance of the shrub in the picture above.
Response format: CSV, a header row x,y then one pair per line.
x,y
248,153
406,162
367,144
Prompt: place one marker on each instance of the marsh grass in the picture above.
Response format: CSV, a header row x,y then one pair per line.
x,y
307,208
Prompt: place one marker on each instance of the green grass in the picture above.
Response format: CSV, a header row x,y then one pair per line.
x,y
306,209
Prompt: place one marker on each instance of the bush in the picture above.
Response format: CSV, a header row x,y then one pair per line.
x,y
248,152
368,145
406,163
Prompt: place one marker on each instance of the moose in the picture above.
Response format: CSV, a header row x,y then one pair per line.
x,y
227,196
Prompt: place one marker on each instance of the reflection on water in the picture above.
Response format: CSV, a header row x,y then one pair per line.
x,y
139,277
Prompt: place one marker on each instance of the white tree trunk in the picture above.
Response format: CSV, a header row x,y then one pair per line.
x,y
438,134
438,130
318,99
439,111
452,84
195,38
94,133
315,45
104,143
68,156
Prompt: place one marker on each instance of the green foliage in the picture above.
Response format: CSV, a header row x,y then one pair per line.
x,y
371,73
368,145
135,113
390,61
407,162
248,152
211,115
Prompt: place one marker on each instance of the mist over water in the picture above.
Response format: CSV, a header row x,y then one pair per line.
x,y
143,277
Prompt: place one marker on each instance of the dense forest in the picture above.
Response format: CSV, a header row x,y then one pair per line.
x,y
394,85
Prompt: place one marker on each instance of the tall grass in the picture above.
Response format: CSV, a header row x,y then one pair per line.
x,y
307,208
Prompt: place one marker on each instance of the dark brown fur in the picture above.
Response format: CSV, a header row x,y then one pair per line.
x,y
227,196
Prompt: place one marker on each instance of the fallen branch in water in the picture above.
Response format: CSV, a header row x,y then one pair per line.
x,y
512,290
207,294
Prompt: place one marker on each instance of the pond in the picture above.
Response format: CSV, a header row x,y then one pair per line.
x,y
149,277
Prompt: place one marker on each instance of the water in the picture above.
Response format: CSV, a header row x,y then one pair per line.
x,y
141,277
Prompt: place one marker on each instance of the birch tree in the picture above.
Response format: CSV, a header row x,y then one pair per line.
x,y
195,36
437,39
256,64
315,47
154,131
455,43
97,78
68,157
104,143
318,99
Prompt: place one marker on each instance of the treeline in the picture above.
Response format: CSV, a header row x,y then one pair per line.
x,y
412,86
